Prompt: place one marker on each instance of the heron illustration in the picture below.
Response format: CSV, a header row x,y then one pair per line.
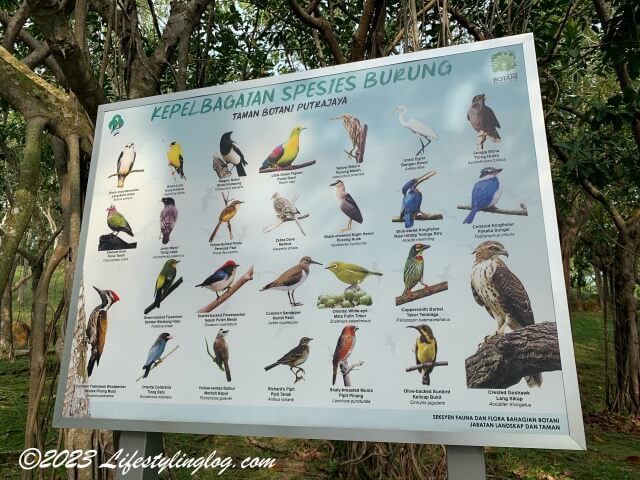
x,y
355,130
418,128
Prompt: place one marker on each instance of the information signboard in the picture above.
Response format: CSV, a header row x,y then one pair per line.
x,y
367,251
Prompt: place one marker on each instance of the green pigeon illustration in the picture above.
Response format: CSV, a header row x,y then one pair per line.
x,y
117,223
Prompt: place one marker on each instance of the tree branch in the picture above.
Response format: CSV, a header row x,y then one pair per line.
x,y
291,167
360,37
171,289
14,26
248,275
158,362
420,216
422,293
465,23
522,212
413,368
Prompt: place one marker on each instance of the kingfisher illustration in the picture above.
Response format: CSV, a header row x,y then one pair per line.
x,y
347,204
168,218
501,293
294,358
221,352
483,120
126,160
117,223
426,350
232,154
165,280
284,154
344,347
176,160
97,326
486,192
412,200
350,273
414,268
292,279
222,278
155,353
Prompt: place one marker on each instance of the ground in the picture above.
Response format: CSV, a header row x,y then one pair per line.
x,y
613,442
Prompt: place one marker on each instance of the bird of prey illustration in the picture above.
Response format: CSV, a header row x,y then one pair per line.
x,y
126,160
414,267
412,199
501,293
483,120
292,279
486,192
222,278
347,204
117,223
232,154
350,273
284,154
176,160
221,352
426,350
155,352
97,326
419,129
294,358
168,218
345,345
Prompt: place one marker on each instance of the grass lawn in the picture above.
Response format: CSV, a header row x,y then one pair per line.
x,y
610,456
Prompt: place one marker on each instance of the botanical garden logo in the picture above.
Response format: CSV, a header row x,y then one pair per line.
x,y
503,65
116,124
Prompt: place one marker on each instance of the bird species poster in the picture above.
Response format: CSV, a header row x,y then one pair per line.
x,y
364,252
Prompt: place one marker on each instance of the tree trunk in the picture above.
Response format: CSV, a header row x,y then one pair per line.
x,y
6,320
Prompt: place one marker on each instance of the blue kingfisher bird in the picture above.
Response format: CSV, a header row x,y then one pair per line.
x,y
486,192
412,199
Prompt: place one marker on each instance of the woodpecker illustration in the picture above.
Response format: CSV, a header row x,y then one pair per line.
x,y
117,223
126,160
97,326
284,154
222,278
344,347
176,160
221,352
232,154
426,350
155,352
168,218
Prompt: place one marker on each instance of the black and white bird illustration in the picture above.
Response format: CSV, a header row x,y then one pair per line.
x,y
232,154
483,120
126,159
168,218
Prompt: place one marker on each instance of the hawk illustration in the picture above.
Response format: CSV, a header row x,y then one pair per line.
x,y
498,290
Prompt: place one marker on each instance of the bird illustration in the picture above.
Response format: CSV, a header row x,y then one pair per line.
x,y
176,160
414,268
354,129
292,279
347,204
221,352
97,326
232,154
486,192
412,200
483,120
286,210
168,218
126,160
155,352
294,358
419,129
344,347
283,155
165,280
227,213
426,350
349,273
501,293
222,278
117,223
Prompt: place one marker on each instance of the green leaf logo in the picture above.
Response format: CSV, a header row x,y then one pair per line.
x,y
503,62
116,124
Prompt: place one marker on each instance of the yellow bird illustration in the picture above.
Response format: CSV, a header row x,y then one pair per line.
x,y
176,160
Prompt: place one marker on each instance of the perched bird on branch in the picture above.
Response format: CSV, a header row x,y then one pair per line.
x,y
414,268
486,192
347,204
292,279
284,154
117,223
294,358
232,154
222,278
354,129
221,352
483,120
412,200
168,218
126,160
176,160
286,210
501,293
419,129
344,347
350,273
165,280
97,326
226,215
426,350
155,352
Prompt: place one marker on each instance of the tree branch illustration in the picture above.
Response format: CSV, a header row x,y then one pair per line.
x,y
248,275
361,144
504,359
127,174
158,362
113,242
423,292
289,168
213,357
420,216
171,289
522,212
346,369
413,368
286,219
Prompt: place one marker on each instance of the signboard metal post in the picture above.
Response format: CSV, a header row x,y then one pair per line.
x,y
140,444
465,463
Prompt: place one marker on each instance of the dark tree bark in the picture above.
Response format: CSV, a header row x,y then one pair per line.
x,y
505,359
6,320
